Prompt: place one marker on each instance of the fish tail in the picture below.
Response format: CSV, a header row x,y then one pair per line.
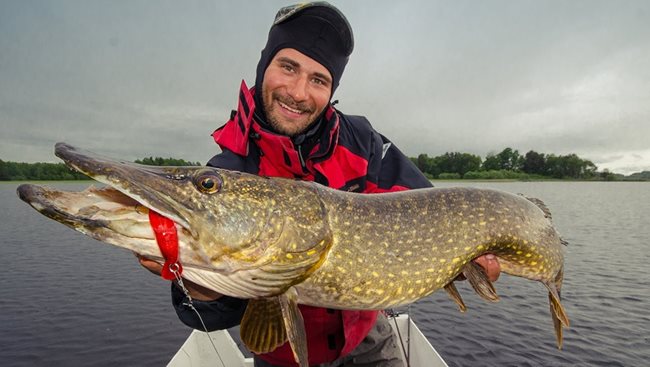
x,y
558,314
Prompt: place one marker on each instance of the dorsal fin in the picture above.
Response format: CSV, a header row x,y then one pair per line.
x,y
540,204
547,213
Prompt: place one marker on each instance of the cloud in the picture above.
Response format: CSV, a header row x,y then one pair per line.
x,y
130,80
625,162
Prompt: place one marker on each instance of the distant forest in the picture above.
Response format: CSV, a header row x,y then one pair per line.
x,y
18,171
508,164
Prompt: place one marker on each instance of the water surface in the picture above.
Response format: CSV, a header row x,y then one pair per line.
x,y
69,300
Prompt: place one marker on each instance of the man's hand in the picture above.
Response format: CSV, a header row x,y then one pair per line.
x,y
196,291
490,265
153,266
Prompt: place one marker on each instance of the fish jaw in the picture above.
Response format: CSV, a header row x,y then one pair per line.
x,y
106,215
174,192
248,228
133,180
109,216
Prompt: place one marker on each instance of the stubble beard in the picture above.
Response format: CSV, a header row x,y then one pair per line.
x,y
290,130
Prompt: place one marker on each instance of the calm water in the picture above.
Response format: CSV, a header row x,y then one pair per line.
x,y
68,300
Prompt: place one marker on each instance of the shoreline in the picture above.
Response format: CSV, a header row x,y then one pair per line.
x,y
431,180
530,180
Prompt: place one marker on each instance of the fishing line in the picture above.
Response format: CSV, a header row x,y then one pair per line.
x,y
167,239
174,268
405,350
408,336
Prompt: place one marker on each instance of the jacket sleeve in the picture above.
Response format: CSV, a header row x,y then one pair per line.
x,y
390,170
223,313
226,311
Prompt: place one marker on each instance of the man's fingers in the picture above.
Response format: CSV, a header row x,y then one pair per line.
x,y
490,264
151,265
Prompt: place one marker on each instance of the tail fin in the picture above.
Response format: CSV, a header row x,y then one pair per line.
x,y
558,314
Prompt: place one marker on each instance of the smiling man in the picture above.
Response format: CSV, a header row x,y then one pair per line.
x,y
296,89
286,126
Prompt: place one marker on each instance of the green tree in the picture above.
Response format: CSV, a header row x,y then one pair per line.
x,y
491,163
607,176
456,162
534,163
555,166
510,159
426,164
159,161
4,171
59,171
570,166
507,159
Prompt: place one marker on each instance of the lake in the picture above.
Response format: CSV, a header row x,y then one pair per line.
x,y
69,300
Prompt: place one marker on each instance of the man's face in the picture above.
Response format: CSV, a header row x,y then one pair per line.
x,y
295,90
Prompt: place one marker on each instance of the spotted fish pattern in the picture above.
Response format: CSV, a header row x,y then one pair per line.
x,y
285,242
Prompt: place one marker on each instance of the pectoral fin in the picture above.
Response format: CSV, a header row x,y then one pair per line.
x,y
295,326
262,328
479,281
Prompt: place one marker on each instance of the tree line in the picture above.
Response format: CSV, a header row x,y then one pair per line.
x,y
18,171
158,161
509,164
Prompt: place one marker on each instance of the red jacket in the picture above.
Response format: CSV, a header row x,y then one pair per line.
x,y
343,152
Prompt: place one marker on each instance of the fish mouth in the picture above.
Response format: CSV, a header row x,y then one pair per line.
x,y
119,211
102,213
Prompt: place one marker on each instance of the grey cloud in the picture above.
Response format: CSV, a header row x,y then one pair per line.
x,y
133,79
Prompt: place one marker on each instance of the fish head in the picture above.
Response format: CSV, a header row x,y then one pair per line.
x,y
226,221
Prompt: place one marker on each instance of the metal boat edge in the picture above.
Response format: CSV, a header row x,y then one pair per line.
x,y
197,351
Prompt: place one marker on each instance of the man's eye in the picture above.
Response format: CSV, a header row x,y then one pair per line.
x,y
318,81
287,67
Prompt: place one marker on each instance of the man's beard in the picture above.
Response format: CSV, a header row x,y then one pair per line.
x,y
276,123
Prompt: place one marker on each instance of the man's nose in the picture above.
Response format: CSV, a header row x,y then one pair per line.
x,y
298,89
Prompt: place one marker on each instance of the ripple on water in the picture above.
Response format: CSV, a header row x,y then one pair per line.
x,y
71,301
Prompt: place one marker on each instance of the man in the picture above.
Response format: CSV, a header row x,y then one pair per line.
x,y
285,126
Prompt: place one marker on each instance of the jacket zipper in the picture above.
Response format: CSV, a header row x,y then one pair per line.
x,y
302,160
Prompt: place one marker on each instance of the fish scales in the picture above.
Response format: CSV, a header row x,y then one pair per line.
x,y
281,242
393,249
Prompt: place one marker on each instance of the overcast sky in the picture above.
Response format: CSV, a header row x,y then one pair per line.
x,y
154,78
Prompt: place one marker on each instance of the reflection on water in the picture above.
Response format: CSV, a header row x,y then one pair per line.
x,y
70,300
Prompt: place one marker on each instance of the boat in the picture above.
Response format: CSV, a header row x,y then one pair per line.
x,y
219,348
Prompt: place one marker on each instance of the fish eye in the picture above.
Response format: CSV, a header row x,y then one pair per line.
x,y
208,183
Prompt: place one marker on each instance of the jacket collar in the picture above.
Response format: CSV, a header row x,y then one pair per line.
x,y
244,128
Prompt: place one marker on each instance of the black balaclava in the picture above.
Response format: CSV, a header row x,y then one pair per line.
x,y
318,30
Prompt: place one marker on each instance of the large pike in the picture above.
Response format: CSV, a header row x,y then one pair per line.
x,y
280,242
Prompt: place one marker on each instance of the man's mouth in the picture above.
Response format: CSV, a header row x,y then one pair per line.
x,y
290,109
